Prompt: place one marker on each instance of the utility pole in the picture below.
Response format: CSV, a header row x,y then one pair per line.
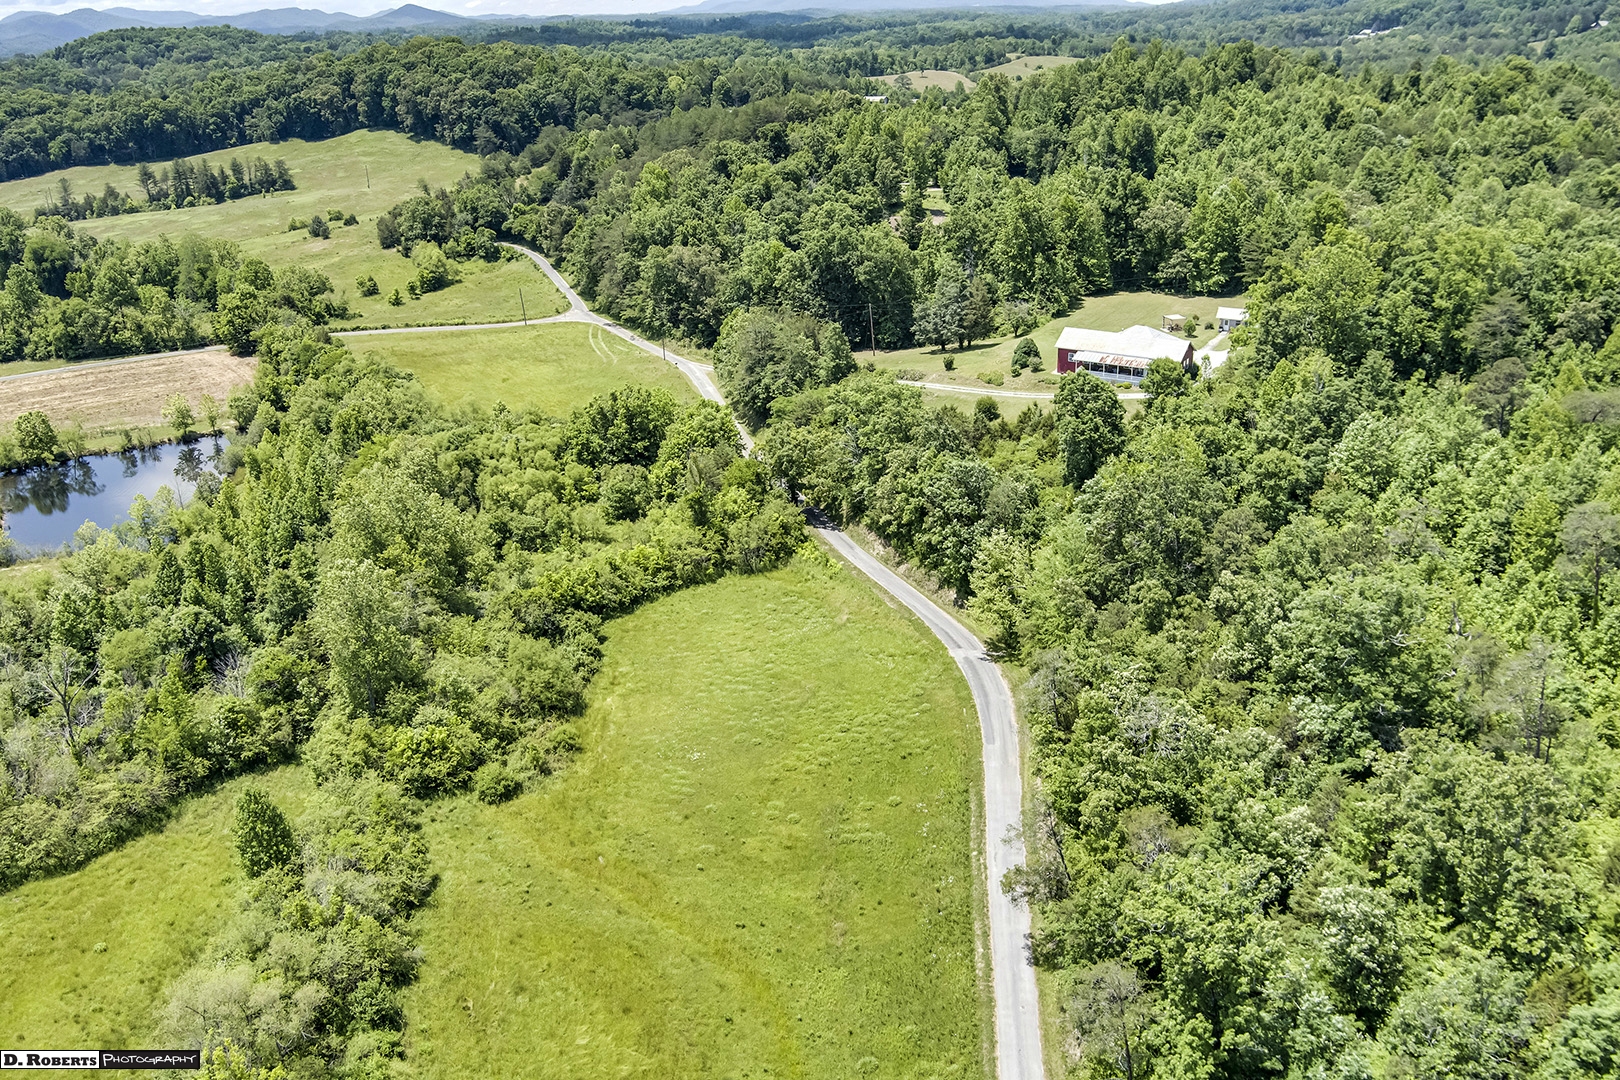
x,y
524,306
871,328
368,177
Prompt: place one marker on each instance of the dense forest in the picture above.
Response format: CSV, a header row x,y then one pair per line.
x,y
1320,650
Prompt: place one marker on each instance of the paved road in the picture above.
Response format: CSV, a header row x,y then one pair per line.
x,y
699,375
1017,1011
1018,1026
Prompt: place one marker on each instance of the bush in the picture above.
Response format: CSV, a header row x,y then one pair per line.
x,y
394,299
297,223
335,215
432,268
350,219
318,228
387,231
36,437
414,287
994,378
367,285
494,783
1026,354
950,362
264,840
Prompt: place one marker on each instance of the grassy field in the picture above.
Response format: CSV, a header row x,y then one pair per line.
x,y
108,397
922,80
1026,65
90,955
758,866
1113,312
552,368
332,174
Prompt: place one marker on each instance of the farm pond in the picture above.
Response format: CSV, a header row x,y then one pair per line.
x,y
44,506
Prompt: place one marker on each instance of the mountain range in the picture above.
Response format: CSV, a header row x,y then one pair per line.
x,y
37,31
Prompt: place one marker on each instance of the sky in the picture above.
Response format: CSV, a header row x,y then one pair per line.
x,y
356,7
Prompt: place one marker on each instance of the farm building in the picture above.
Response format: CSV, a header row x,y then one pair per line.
x,y
1123,355
1230,318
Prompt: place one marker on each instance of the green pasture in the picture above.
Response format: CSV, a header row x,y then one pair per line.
x,y
90,955
759,865
931,77
330,175
1026,65
552,367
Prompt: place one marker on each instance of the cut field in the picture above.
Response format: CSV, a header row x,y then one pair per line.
x,y
552,367
1113,312
105,398
759,865
90,955
932,77
330,175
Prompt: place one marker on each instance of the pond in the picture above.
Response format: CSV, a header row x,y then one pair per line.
x,y
46,505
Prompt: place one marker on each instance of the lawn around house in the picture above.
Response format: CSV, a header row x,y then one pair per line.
x,y
552,367
330,175
90,955
759,864
1114,312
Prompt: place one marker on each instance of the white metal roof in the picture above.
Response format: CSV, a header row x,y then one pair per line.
x,y
1236,314
1143,342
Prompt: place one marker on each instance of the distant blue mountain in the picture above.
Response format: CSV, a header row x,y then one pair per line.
x,y
37,31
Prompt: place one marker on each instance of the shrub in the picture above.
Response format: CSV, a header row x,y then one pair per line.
x,y
432,268
994,378
350,219
367,285
494,783
297,223
414,287
335,215
318,228
394,299
950,362
264,840
1026,354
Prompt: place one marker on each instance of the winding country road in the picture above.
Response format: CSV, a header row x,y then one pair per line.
x,y
1017,1011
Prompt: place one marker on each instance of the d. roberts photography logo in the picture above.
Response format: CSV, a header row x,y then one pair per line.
x,y
100,1059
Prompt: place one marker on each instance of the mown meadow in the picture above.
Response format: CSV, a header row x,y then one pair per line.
x,y
759,863
553,368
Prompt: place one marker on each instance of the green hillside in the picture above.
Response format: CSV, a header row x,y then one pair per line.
x,y
759,864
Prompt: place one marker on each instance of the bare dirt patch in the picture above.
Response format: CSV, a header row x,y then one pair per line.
x,y
107,397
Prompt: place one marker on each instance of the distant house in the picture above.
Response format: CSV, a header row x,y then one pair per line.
x,y
1230,318
1125,355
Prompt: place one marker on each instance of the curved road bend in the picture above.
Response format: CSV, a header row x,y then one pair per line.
x,y
1018,1027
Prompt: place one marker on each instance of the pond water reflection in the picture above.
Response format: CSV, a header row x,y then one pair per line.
x,y
46,505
